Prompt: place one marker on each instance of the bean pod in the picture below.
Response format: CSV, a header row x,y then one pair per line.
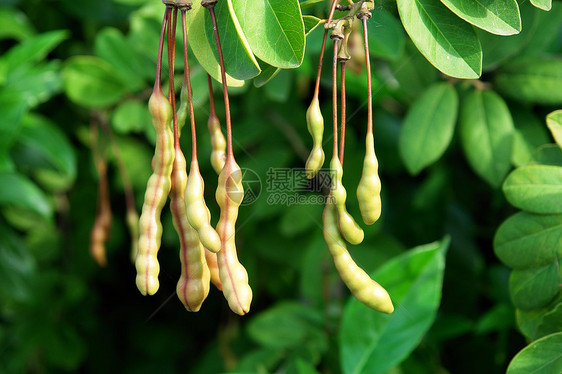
x,y
197,211
233,275
349,229
369,188
362,287
193,285
218,143
155,197
315,125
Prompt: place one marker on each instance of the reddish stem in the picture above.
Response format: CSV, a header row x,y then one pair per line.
x,y
343,109
158,80
335,96
187,83
171,63
229,151
369,84
211,97
319,73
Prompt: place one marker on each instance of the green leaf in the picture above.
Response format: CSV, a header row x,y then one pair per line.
x,y
267,74
279,88
499,17
548,154
131,66
34,49
288,325
386,35
535,79
534,288
239,61
309,3
542,4
554,123
310,23
92,82
486,130
16,189
535,188
428,127
131,116
12,109
14,24
372,342
451,46
35,84
543,356
499,318
528,240
50,142
540,322
274,29
17,266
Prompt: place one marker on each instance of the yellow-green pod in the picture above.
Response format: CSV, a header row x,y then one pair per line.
x,y
157,189
315,125
193,285
233,275
362,287
218,143
369,188
197,211
213,265
349,229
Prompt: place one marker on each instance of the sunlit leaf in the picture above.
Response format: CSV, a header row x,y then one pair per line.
x,y
554,123
274,30
535,188
542,4
239,61
451,46
499,17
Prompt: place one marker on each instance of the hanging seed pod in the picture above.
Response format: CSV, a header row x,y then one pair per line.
x,y
158,185
362,287
315,125
369,188
156,195
349,229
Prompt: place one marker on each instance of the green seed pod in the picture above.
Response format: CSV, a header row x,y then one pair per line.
x,y
362,287
193,285
157,190
197,211
218,143
315,125
348,227
369,188
233,275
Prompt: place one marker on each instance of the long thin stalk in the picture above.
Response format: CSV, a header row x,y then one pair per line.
x,y
343,110
187,83
322,49
229,151
335,97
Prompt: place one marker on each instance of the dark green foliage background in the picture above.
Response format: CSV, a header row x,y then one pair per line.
x,y
60,312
